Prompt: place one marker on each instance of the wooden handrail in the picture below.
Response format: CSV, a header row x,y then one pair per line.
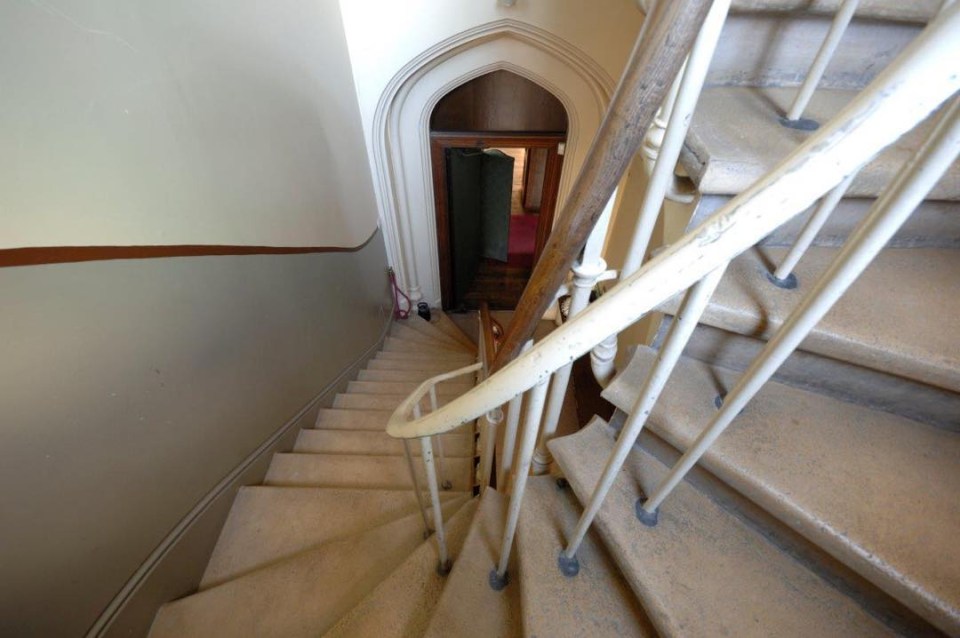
x,y
664,41
489,340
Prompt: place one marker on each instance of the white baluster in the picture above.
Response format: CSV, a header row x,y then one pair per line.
x,y
531,426
689,92
815,74
426,450
898,201
510,435
783,276
684,322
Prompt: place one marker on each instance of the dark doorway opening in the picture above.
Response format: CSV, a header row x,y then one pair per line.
x,y
495,181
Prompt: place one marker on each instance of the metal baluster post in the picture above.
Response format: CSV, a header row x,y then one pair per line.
x,y
416,488
793,117
426,450
510,434
894,206
694,303
531,426
783,276
444,477
692,83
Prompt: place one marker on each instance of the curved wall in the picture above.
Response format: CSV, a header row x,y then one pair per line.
x,y
132,390
180,122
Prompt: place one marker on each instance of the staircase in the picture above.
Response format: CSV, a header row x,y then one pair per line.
x,y
828,508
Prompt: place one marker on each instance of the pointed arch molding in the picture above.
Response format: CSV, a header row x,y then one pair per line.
x,y
401,128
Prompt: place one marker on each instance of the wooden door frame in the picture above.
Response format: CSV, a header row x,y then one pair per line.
x,y
440,141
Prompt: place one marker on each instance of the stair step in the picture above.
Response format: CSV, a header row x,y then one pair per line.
x,y
396,344
375,443
268,524
463,360
376,401
403,376
934,224
703,571
468,606
776,48
445,389
597,602
433,368
437,337
790,450
415,322
735,139
369,420
402,604
356,471
301,596
444,323
880,323
915,11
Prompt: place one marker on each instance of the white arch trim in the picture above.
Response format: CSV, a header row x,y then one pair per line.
x,y
401,129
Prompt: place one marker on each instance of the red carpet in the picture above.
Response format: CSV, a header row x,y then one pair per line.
x,y
522,240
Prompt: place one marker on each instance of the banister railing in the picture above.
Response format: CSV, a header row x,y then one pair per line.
x,y
664,42
412,406
900,97
919,80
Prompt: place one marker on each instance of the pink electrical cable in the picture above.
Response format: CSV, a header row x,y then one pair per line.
x,y
398,313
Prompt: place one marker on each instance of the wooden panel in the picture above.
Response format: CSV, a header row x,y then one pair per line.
x,y
534,172
499,101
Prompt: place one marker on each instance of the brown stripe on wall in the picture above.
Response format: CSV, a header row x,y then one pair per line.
x,y
67,254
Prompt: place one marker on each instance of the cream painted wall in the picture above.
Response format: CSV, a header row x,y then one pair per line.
x,y
129,389
383,37
130,122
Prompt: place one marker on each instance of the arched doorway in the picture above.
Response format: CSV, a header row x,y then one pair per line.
x,y
497,144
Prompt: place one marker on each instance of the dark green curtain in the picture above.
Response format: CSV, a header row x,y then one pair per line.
x,y
479,190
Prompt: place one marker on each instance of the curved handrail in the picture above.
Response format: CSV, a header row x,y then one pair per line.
x,y
398,418
903,95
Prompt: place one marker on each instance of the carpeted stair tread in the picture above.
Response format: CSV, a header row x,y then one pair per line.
x,y
447,389
596,602
351,401
916,11
459,444
359,471
402,604
437,337
398,344
468,606
403,376
269,524
723,157
703,571
789,450
444,323
431,367
301,596
877,324
432,329
462,360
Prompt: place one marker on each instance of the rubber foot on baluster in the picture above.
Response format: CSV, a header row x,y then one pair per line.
x,y
569,567
802,124
787,283
718,402
562,483
498,582
446,485
444,568
647,518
